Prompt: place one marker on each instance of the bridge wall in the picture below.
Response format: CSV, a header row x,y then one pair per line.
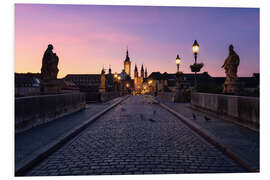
x,y
167,96
35,110
100,97
109,96
240,109
174,97
92,97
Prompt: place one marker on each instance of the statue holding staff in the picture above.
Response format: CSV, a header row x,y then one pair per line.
x,y
231,66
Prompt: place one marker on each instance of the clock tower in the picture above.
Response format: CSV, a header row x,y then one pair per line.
x,y
127,64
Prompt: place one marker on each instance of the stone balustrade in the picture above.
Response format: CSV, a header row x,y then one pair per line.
x,y
35,110
240,109
168,96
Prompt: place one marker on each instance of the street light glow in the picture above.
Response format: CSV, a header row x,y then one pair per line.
x,y
178,59
195,47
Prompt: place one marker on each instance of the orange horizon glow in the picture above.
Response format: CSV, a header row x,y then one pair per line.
x,y
86,38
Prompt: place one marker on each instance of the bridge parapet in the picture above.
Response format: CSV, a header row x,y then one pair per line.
x,y
240,109
36,110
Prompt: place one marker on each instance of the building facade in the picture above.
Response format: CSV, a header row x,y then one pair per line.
x,y
139,80
206,83
27,84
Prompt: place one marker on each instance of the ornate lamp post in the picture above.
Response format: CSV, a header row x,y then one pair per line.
x,y
119,84
195,49
178,60
115,75
196,67
115,81
127,86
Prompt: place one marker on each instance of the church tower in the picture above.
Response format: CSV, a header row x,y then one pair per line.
x,y
136,74
145,75
127,64
142,72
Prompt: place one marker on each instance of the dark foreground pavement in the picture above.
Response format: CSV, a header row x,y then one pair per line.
x,y
136,137
241,140
30,143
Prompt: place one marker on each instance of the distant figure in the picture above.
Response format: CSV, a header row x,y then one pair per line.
x,y
231,66
49,68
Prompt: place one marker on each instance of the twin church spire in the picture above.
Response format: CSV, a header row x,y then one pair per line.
x,y
143,73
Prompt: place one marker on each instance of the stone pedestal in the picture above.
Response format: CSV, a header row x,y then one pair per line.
x,y
51,87
230,87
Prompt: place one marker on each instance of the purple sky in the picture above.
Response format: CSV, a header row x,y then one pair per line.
x,y
86,37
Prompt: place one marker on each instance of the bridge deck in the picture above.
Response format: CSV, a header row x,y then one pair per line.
x,y
136,137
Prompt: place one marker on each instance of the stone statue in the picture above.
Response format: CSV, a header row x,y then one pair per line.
x,y
231,65
49,68
102,86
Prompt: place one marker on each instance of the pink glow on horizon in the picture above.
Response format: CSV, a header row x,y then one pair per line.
x,y
86,40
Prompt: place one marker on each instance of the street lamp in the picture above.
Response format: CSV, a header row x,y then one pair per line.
x,y
178,60
115,75
115,81
196,67
119,84
127,87
195,49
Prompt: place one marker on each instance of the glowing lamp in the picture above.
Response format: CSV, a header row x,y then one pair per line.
x,y
195,47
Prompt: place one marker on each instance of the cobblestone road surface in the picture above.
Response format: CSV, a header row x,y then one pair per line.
x,y
36,138
241,140
136,137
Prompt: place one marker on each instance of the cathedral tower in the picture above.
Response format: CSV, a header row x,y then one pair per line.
x,y
127,64
142,72
136,74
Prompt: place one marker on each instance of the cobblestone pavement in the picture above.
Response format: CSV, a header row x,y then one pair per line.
x,y
36,138
241,140
136,137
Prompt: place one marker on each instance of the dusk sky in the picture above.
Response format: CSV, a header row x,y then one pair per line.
x,y
86,37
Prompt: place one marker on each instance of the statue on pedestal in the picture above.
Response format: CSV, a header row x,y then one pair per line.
x,y
231,65
102,86
49,71
49,68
